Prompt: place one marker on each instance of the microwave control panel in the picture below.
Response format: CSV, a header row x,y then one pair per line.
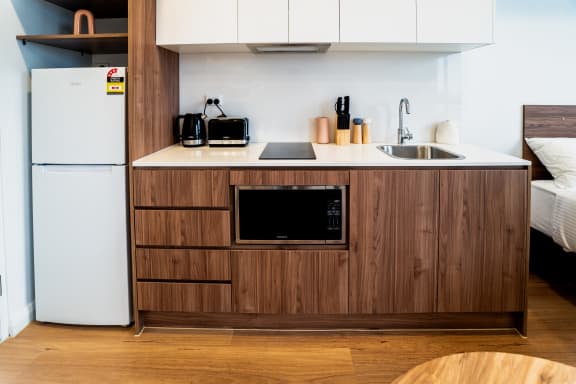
x,y
334,217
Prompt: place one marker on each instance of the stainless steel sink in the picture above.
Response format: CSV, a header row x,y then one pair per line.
x,y
418,152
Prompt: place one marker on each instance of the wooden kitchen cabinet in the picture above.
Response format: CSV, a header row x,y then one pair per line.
x,y
183,297
182,264
182,228
196,22
263,21
181,188
393,241
438,248
314,21
377,21
290,282
456,21
289,177
483,239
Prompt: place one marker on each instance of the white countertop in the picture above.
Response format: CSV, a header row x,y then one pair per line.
x,y
327,155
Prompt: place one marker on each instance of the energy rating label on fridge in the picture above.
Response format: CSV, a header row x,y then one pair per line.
x,y
116,81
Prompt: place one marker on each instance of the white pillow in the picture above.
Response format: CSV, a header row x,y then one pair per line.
x,y
559,157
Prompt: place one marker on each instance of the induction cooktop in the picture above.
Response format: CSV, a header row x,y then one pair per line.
x,y
288,151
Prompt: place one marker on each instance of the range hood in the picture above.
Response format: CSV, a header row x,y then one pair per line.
x,y
288,48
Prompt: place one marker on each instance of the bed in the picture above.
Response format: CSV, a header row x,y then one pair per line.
x,y
553,210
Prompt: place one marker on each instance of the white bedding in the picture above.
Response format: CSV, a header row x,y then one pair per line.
x,y
554,213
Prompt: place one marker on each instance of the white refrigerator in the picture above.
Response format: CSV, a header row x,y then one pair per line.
x,y
81,259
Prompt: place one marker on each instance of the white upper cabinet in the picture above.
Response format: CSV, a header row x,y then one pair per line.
x,y
314,21
228,25
456,21
262,21
378,21
196,22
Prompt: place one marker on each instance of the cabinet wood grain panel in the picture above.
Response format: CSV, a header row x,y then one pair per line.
x,y
333,282
245,272
461,246
290,282
505,246
482,250
289,177
184,297
153,78
393,241
182,228
182,264
300,283
154,96
182,188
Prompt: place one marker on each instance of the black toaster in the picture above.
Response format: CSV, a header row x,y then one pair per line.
x,y
228,132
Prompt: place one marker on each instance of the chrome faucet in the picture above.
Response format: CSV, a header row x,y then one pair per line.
x,y
403,132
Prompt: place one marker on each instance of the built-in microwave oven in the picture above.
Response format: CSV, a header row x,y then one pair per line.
x,y
290,214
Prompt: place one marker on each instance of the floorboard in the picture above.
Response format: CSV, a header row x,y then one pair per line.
x,y
51,354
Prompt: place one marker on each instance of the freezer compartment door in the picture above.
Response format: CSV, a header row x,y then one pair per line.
x,y
81,245
75,120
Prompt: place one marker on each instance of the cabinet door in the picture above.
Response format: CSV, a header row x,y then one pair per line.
x,y
314,21
455,21
196,22
483,229
262,21
290,282
377,21
393,241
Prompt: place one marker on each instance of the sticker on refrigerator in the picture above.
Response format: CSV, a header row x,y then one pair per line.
x,y
116,81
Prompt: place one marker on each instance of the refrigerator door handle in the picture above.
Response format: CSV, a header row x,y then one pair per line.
x,y
63,169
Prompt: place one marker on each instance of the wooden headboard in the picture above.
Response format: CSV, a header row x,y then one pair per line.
x,y
546,121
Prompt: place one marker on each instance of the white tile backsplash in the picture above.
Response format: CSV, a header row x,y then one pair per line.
x,y
281,94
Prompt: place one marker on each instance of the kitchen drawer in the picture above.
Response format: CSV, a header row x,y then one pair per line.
x,y
290,282
181,188
182,228
184,297
182,264
289,177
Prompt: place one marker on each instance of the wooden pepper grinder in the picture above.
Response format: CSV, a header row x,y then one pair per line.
x,y
81,13
366,131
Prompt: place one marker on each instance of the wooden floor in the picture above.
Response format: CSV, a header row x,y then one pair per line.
x,y
57,354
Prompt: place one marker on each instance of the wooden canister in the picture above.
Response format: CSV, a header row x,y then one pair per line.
x,y
342,136
322,130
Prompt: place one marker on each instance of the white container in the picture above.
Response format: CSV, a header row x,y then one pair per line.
x,y
447,133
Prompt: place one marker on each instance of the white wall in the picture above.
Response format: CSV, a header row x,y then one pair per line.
x,y
22,17
482,90
533,62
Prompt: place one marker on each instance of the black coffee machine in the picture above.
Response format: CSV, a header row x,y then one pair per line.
x,y
190,130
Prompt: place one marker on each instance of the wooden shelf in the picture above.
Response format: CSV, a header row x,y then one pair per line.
x,y
100,43
100,8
